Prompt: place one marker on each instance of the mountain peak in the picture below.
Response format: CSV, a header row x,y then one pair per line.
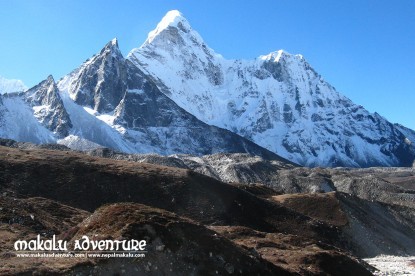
x,y
280,54
111,47
114,42
173,18
274,56
50,79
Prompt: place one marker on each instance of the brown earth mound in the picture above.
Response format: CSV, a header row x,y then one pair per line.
x,y
296,254
176,246
371,228
324,207
24,219
44,216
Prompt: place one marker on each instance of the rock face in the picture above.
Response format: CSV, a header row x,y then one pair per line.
x,y
278,101
100,83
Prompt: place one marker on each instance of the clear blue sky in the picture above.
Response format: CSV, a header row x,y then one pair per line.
x,y
365,48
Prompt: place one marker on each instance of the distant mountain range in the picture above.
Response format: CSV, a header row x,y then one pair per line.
x,y
8,86
174,94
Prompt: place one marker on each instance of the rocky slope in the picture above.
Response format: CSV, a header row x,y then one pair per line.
x,y
388,185
278,101
374,207
386,194
39,187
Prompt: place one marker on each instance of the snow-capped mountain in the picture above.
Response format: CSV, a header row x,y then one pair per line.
x,y
114,104
277,100
8,86
109,102
174,95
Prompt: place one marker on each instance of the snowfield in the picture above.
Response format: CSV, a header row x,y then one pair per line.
x,y
393,265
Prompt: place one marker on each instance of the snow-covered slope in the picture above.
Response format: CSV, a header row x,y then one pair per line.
x,y
408,133
78,143
277,100
17,121
8,86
